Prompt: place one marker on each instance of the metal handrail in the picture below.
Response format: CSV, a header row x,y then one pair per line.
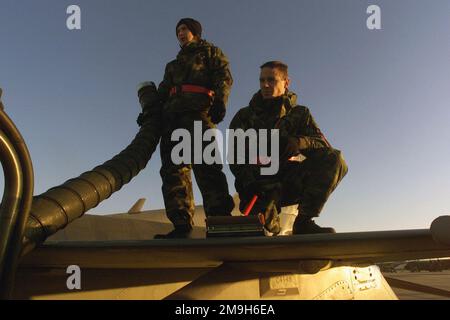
x,y
16,202
11,199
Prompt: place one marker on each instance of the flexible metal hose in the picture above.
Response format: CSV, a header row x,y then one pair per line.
x,y
16,202
57,207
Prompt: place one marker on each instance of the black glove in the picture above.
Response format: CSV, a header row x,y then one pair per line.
x,y
252,188
289,147
217,112
265,189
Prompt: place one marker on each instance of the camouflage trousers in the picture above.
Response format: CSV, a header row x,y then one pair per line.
x,y
308,183
176,178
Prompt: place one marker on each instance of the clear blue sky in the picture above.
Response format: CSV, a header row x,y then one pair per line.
x,y
382,97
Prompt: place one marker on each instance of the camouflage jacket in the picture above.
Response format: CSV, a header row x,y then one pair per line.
x,y
199,63
284,114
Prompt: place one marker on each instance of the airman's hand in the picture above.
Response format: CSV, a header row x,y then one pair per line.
x,y
217,112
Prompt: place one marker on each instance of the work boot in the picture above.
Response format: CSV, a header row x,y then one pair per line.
x,y
180,232
305,225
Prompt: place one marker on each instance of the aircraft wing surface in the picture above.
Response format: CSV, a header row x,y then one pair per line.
x,y
361,247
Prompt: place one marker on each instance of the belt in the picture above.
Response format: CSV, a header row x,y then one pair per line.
x,y
189,88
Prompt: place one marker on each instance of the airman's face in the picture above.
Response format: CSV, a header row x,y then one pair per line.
x,y
272,83
184,35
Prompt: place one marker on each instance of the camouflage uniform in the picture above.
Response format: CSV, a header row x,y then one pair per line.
x,y
308,183
201,64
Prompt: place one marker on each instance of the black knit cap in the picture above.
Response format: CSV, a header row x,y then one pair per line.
x,y
193,25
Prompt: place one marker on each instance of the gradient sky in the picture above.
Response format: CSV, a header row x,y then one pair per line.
x,y
382,97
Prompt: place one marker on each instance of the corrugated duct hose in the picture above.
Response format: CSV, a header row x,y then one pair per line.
x,y
56,208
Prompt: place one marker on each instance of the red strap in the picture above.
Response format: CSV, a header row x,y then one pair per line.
x,y
190,88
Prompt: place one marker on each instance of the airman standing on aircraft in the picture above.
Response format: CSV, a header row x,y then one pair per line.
x,y
195,87
308,183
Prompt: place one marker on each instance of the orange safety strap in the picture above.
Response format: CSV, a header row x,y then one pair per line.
x,y
250,205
